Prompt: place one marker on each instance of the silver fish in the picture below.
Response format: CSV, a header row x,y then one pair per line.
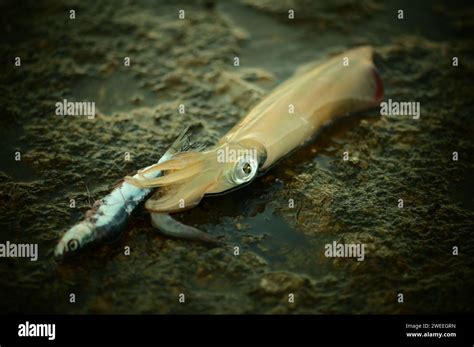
x,y
109,216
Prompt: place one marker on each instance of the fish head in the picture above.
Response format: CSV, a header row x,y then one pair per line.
x,y
74,239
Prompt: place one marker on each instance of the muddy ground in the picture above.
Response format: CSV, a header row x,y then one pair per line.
x,y
190,61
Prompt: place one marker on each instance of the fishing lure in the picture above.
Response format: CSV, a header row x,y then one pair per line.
x,y
285,120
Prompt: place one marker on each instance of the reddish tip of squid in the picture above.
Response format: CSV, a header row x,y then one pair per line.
x,y
379,91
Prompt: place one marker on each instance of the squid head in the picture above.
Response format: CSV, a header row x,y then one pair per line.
x,y
188,176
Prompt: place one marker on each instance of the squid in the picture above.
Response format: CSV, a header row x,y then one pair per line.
x,y
288,118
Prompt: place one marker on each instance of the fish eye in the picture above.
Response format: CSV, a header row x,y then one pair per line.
x,y
73,245
244,170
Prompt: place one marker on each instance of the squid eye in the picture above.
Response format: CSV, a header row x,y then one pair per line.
x,y
247,169
73,245
244,170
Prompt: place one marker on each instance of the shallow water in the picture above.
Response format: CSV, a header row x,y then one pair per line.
x,y
409,250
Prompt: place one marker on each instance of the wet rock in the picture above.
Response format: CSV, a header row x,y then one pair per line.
x,y
276,283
